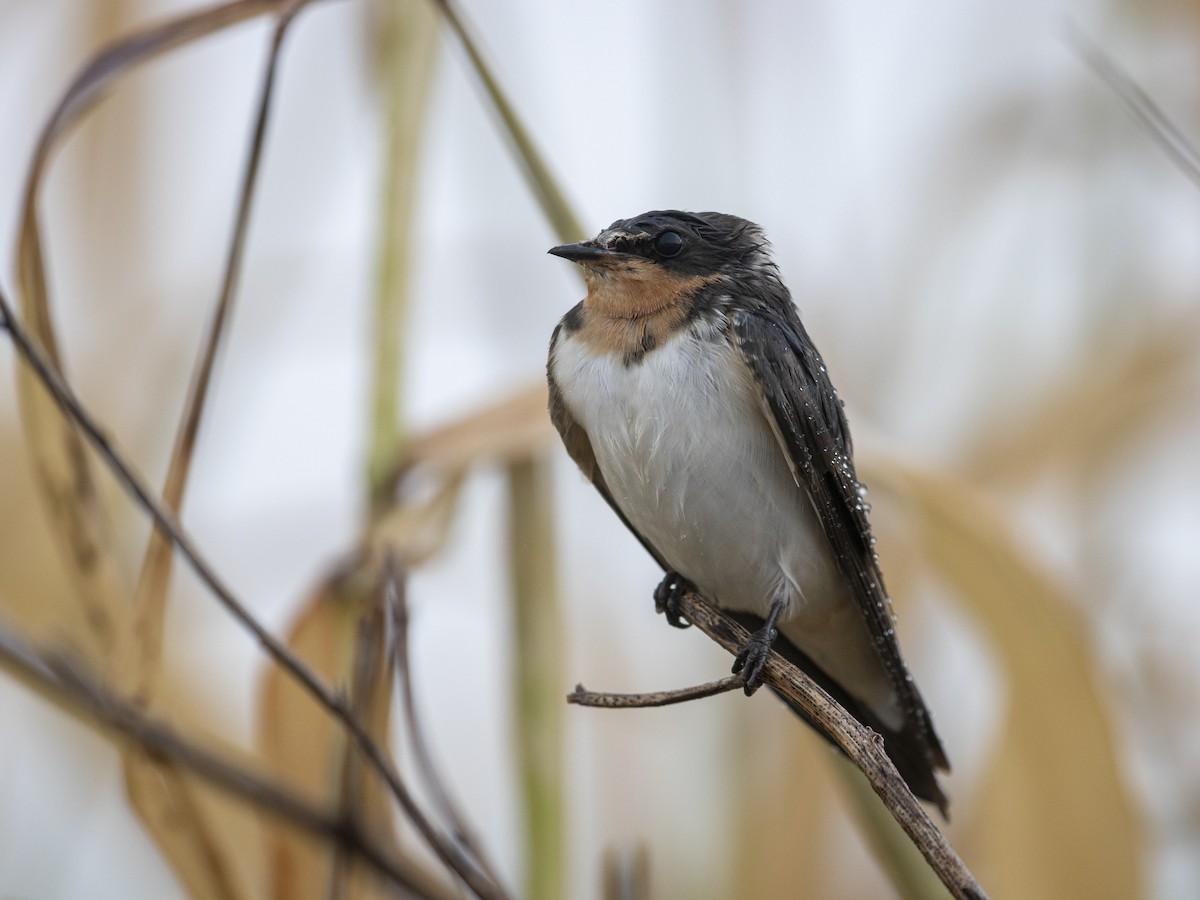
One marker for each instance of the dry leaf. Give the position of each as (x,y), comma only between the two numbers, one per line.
(171,806)
(1054,817)
(514,427)
(1091,416)
(170,803)
(786,799)
(306,748)
(434,467)
(60,460)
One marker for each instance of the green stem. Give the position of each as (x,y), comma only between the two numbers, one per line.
(539,675)
(910,874)
(546,189)
(407,50)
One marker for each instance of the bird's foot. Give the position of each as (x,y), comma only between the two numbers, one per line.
(666,597)
(752,658)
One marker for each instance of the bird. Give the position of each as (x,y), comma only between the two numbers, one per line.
(687,391)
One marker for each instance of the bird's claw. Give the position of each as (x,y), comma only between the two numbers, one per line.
(752,658)
(666,598)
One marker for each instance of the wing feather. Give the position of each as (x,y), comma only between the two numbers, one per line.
(807,419)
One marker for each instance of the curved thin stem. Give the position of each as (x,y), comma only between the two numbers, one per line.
(446,850)
(75,689)
(862,745)
(581,696)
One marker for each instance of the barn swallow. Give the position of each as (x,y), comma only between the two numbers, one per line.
(686,389)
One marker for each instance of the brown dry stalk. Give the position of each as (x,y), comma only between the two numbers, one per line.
(143,657)
(395,600)
(447,850)
(155,791)
(77,690)
(860,744)
(581,696)
(863,746)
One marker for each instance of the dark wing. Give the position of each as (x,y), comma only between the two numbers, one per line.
(579,447)
(806,415)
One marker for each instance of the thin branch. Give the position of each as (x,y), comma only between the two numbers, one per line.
(137,664)
(557,210)
(150,597)
(74,688)
(87,89)
(862,745)
(1161,129)
(64,472)
(164,519)
(396,605)
(583,697)
(369,658)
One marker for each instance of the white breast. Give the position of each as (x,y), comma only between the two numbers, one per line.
(691,461)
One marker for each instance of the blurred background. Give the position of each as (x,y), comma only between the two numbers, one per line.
(996,260)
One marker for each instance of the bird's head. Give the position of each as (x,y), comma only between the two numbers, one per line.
(669,244)
(668,261)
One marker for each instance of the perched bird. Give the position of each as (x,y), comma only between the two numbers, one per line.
(687,390)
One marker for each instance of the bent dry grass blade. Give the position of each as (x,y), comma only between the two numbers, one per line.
(198,846)
(164,797)
(1111,399)
(64,471)
(308,749)
(1055,761)
(60,680)
(546,189)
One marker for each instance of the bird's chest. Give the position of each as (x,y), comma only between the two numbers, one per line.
(681,442)
(680,408)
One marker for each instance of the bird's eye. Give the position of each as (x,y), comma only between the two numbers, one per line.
(668,244)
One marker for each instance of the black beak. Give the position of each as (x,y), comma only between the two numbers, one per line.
(582,252)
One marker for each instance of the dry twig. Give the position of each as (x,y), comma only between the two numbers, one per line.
(581,696)
(860,744)
(447,850)
(150,598)
(396,601)
(1161,129)
(74,688)
(863,746)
